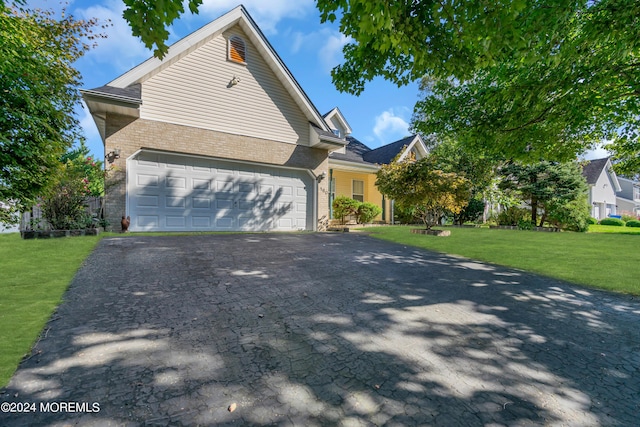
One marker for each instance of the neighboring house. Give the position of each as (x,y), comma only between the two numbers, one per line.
(603,187)
(352,170)
(216,136)
(628,199)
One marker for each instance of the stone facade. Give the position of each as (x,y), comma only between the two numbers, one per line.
(129,134)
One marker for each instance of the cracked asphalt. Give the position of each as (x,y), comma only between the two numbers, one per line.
(322,329)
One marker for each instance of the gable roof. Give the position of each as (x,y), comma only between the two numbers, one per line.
(385,154)
(358,153)
(340,118)
(125,84)
(594,168)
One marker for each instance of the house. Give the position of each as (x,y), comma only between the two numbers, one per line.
(216,136)
(220,136)
(352,169)
(603,187)
(628,199)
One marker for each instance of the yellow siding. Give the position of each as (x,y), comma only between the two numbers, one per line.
(344,180)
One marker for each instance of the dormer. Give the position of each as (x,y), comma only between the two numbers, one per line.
(337,123)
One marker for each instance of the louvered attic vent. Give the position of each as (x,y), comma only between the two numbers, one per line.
(237,50)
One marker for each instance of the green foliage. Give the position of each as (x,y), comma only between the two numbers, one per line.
(420,185)
(632,223)
(573,215)
(79,177)
(39,88)
(525,224)
(344,206)
(592,220)
(366,212)
(405,215)
(612,221)
(149,20)
(524,79)
(626,217)
(470,213)
(513,215)
(544,185)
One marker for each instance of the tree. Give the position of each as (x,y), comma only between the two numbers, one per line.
(421,185)
(344,206)
(451,156)
(64,204)
(39,88)
(544,185)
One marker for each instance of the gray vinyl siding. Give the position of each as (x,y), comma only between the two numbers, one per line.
(195,91)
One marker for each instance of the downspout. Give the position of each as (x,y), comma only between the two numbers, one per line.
(330,193)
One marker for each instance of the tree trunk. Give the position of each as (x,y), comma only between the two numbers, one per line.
(534,210)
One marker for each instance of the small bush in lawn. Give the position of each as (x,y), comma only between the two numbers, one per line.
(612,221)
(626,217)
(344,206)
(513,215)
(367,211)
(633,223)
(525,224)
(592,220)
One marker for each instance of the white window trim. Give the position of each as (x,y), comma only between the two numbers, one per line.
(352,189)
(229,58)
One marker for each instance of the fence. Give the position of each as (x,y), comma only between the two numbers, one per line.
(33,219)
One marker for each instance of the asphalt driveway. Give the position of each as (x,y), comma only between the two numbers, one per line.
(323,329)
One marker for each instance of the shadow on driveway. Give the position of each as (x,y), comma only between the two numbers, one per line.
(325,329)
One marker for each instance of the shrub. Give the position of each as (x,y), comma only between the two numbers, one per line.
(633,223)
(612,221)
(405,215)
(626,217)
(344,206)
(513,215)
(367,211)
(592,220)
(525,224)
(573,215)
(471,213)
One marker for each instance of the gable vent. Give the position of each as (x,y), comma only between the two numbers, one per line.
(237,50)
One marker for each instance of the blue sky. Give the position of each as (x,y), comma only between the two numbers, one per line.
(381,114)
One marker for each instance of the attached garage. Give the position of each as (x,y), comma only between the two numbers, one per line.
(172,192)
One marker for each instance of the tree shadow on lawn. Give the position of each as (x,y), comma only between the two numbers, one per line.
(321,329)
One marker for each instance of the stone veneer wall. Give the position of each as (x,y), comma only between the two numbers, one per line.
(129,135)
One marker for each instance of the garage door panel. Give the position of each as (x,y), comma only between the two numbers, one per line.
(176,221)
(201,203)
(201,221)
(175,202)
(180,192)
(200,184)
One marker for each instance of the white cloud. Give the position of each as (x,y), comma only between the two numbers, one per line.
(327,42)
(331,53)
(391,125)
(120,49)
(267,14)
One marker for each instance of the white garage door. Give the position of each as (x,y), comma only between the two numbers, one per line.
(167,192)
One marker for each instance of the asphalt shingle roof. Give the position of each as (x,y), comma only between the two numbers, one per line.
(133,91)
(358,152)
(592,170)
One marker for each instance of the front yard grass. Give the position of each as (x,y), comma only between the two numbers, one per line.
(604,261)
(35,275)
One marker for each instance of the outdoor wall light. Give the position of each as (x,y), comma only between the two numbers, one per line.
(234,81)
(322,176)
(112,155)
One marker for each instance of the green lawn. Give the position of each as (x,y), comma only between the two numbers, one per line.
(35,274)
(597,228)
(600,260)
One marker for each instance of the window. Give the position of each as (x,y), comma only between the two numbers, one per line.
(336,132)
(358,190)
(237,50)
